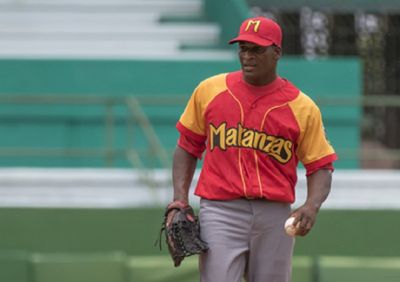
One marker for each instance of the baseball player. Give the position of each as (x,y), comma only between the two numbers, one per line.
(254,127)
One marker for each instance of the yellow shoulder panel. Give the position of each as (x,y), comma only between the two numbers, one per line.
(193,116)
(312,142)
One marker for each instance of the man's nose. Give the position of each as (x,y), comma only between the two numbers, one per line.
(248,54)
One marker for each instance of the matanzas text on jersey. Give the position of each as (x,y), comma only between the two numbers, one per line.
(276,147)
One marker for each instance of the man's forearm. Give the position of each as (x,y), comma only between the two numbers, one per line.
(318,187)
(184,165)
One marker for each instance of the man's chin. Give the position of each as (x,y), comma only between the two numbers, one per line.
(249,74)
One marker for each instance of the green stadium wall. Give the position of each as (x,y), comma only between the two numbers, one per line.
(103,245)
(82,126)
(234,13)
(363,233)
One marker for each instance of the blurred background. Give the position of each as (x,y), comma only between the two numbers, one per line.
(91,90)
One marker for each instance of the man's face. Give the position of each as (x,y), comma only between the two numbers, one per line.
(258,62)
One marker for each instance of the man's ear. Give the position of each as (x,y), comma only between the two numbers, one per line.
(278,52)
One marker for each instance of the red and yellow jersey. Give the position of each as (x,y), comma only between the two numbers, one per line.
(254,137)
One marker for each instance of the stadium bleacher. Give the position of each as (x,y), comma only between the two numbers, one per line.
(106,29)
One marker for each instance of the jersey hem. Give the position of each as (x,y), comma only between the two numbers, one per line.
(234,197)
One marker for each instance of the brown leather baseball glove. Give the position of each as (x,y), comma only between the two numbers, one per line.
(182,232)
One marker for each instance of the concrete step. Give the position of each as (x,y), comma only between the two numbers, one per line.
(186,33)
(170,7)
(106,49)
(85,49)
(37,18)
(105,29)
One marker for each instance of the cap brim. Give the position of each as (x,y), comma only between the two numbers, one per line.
(252,39)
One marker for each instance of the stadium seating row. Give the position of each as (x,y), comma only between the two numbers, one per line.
(105,29)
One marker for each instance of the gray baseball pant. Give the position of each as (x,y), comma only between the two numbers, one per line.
(246,238)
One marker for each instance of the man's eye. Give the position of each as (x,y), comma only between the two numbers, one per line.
(260,50)
(254,50)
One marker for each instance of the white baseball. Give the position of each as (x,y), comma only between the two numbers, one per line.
(289,227)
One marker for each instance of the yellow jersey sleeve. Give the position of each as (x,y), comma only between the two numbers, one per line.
(193,118)
(312,144)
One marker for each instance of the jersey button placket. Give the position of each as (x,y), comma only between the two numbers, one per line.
(247,172)
(247,158)
(250,174)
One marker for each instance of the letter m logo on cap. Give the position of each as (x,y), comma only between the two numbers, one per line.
(254,24)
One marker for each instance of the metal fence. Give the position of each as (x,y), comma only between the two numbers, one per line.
(372,33)
(372,153)
(135,117)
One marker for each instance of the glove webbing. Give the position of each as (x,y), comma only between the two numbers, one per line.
(189,244)
(175,205)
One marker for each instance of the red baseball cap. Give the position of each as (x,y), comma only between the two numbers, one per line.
(261,31)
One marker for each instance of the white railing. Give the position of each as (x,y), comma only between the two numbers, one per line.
(113,188)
